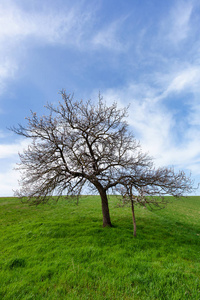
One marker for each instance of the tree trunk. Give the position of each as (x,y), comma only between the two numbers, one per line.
(105,208)
(134,221)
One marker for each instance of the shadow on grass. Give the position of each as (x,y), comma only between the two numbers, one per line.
(152,232)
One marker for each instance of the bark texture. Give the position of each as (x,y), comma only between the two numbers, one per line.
(105,210)
(133,216)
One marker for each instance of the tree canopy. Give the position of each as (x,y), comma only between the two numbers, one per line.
(80,142)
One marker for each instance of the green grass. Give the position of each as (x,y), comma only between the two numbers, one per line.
(61,251)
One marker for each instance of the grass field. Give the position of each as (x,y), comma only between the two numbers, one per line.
(61,251)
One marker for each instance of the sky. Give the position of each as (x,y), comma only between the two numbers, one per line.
(142,53)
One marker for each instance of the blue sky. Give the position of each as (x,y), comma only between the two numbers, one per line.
(146,53)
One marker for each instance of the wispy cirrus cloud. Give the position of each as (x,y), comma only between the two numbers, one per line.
(179,21)
(72,27)
(185,79)
(46,25)
(110,37)
(172,138)
(21,30)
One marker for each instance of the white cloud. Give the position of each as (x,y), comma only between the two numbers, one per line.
(178,22)
(10,150)
(110,37)
(186,79)
(179,82)
(73,26)
(47,25)
(194,117)
(154,125)
(8,68)
(184,84)
(21,29)
(8,182)
(8,159)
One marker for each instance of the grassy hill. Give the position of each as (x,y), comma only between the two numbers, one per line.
(61,251)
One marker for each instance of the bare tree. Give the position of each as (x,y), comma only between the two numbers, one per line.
(152,188)
(80,142)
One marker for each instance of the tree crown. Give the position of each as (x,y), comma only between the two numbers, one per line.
(79,142)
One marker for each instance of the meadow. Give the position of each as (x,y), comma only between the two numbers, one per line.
(61,251)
